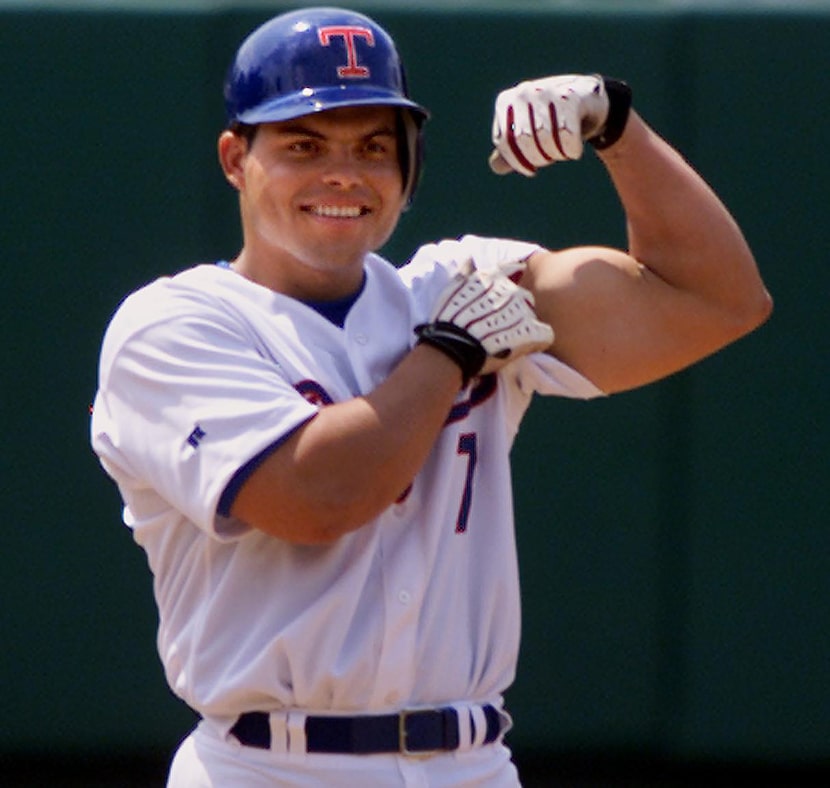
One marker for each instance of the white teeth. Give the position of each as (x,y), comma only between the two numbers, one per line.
(336,212)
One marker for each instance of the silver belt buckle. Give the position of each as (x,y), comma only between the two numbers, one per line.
(402,736)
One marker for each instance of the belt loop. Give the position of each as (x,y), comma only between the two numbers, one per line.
(296,732)
(465,729)
(278,723)
(479,722)
(506,722)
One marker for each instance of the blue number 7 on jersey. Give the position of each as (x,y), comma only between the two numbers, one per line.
(467,444)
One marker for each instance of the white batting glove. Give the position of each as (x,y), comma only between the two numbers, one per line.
(542,121)
(483,320)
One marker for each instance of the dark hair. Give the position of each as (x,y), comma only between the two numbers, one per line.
(245,130)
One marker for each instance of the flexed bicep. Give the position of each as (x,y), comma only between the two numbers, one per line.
(615,320)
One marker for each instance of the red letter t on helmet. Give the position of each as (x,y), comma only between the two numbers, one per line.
(349,33)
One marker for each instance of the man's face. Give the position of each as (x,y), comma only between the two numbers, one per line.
(322,190)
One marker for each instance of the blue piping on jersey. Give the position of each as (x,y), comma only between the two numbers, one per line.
(245,471)
(481,391)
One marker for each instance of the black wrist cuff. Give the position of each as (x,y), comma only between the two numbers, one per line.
(619,105)
(463,348)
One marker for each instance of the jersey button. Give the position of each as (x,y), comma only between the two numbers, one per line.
(361,339)
(404,596)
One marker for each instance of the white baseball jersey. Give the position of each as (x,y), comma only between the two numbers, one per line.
(202,373)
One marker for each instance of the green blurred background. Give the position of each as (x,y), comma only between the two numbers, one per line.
(674,541)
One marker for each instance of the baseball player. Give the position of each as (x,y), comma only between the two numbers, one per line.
(312,445)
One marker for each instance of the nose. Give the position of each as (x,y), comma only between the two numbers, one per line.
(344,171)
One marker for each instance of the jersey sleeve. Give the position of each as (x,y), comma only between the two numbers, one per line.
(541,373)
(183,404)
(433,265)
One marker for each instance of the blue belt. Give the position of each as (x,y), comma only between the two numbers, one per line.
(415,732)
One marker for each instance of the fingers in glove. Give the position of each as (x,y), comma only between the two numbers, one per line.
(554,132)
(505,323)
(538,343)
(502,303)
(498,164)
(513,330)
(463,296)
(536,134)
(521,340)
(495,311)
(539,122)
(505,141)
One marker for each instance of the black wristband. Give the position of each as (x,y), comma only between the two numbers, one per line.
(619,105)
(463,348)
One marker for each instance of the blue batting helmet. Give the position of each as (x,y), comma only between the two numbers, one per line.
(315,59)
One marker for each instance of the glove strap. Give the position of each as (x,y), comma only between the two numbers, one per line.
(619,105)
(455,343)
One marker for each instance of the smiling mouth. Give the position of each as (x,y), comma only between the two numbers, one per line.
(337,211)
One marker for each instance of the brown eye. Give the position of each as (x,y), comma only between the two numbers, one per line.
(304,146)
(380,148)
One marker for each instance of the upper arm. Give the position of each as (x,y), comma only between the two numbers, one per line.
(617,322)
(185,402)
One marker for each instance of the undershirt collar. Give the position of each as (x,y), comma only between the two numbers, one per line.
(337,311)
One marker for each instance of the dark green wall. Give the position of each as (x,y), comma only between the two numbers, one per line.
(674,541)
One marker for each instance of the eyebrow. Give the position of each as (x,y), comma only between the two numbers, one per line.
(302,130)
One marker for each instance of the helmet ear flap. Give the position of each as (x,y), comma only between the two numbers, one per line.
(410,151)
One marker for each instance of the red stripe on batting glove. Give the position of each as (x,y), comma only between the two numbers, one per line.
(511,141)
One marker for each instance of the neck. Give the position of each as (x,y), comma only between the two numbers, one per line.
(302,281)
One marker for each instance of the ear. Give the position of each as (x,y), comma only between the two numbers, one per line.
(232,149)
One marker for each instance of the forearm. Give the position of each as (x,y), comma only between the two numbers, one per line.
(355,458)
(688,284)
(678,228)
